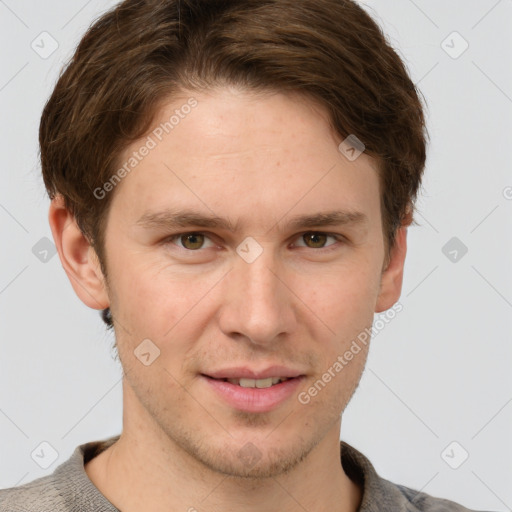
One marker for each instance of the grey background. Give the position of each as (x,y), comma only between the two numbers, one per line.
(438,373)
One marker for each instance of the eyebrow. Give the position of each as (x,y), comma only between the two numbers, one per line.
(171,219)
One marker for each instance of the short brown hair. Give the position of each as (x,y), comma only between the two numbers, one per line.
(140,53)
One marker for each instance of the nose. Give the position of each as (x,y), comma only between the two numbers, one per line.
(257,303)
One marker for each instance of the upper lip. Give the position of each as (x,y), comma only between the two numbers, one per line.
(243,372)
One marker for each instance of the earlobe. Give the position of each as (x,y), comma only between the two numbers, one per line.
(392,276)
(77,256)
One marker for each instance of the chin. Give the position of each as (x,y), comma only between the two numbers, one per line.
(251,462)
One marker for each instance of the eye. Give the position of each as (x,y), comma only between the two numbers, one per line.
(317,240)
(189,241)
(195,240)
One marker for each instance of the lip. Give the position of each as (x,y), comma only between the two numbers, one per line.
(256,400)
(243,372)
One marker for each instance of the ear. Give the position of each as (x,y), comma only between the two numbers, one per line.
(77,256)
(392,275)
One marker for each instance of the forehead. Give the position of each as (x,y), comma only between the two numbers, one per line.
(228,149)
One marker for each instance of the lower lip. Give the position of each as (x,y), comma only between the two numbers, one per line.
(254,399)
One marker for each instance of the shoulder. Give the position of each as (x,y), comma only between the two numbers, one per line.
(381,495)
(422,502)
(67,489)
(39,495)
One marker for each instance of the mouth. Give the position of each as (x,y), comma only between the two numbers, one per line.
(253,392)
(254,383)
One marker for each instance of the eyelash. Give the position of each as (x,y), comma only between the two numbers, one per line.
(338,238)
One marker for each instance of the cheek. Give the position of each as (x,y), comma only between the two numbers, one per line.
(343,299)
(343,304)
(328,393)
(169,308)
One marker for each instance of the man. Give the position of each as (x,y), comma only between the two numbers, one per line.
(231,184)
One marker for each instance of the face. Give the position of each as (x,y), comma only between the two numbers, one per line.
(279,282)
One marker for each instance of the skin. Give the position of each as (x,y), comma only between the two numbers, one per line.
(258,160)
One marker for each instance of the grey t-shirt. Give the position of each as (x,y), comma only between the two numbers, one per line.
(69,489)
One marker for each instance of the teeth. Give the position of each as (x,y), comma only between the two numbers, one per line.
(257,383)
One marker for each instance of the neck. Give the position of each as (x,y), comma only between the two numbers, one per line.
(145,469)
